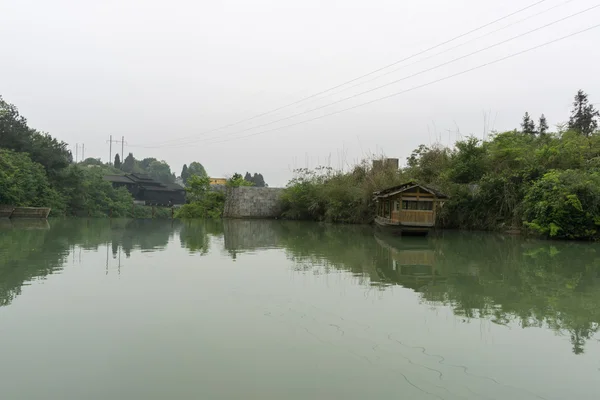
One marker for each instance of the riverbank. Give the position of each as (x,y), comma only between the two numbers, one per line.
(512,182)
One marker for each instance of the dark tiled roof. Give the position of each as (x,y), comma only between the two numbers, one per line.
(143,181)
(118,178)
(156,188)
(173,186)
(406,186)
(141,177)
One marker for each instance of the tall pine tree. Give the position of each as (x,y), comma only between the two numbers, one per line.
(584,115)
(128,163)
(117,163)
(528,126)
(543,125)
(185,174)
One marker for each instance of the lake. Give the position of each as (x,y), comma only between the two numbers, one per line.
(158,309)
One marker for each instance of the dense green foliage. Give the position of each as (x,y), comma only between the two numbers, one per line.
(195,168)
(327,195)
(23,181)
(202,202)
(545,182)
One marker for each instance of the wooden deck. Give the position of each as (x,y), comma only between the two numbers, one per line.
(6,211)
(30,212)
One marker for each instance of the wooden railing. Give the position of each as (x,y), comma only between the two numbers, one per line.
(417,217)
(387,221)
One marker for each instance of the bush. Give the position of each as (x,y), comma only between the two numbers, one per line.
(334,196)
(564,204)
(24,182)
(211,205)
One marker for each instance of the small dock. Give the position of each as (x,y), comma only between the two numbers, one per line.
(24,212)
(6,211)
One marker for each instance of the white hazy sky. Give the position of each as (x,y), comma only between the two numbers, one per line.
(157,71)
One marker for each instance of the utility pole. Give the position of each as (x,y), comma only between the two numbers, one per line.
(122,148)
(111,141)
(76,150)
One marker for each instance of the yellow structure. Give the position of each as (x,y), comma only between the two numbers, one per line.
(218,181)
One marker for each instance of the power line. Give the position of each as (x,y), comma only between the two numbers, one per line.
(350,81)
(111,141)
(453,48)
(416,87)
(397,80)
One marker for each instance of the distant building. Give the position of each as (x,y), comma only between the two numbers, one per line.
(218,181)
(147,190)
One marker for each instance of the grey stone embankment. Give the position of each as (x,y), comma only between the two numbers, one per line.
(253,202)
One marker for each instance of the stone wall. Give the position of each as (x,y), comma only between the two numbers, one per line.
(253,202)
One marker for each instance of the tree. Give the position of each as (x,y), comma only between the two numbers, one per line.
(467,161)
(564,204)
(197,169)
(23,182)
(528,126)
(198,187)
(583,115)
(145,163)
(117,163)
(159,170)
(14,132)
(238,180)
(256,179)
(203,202)
(184,174)
(128,164)
(91,161)
(259,180)
(543,125)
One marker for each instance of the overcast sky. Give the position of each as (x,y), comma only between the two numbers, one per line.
(157,71)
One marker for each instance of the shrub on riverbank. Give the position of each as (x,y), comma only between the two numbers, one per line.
(335,196)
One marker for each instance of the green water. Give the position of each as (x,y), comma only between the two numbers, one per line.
(122,309)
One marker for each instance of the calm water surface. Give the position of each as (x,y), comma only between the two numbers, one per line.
(122,309)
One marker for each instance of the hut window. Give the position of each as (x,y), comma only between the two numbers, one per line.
(397,206)
(425,205)
(417,205)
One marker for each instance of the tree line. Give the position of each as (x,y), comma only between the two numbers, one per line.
(37,169)
(546,183)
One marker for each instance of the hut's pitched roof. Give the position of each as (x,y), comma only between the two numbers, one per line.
(405,186)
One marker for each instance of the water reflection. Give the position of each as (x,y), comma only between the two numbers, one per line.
(507,280)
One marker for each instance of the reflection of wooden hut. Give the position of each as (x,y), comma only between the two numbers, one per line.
(408,208)
(412,264)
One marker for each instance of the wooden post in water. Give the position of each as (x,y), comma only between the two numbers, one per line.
(153,211)
(172,213)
